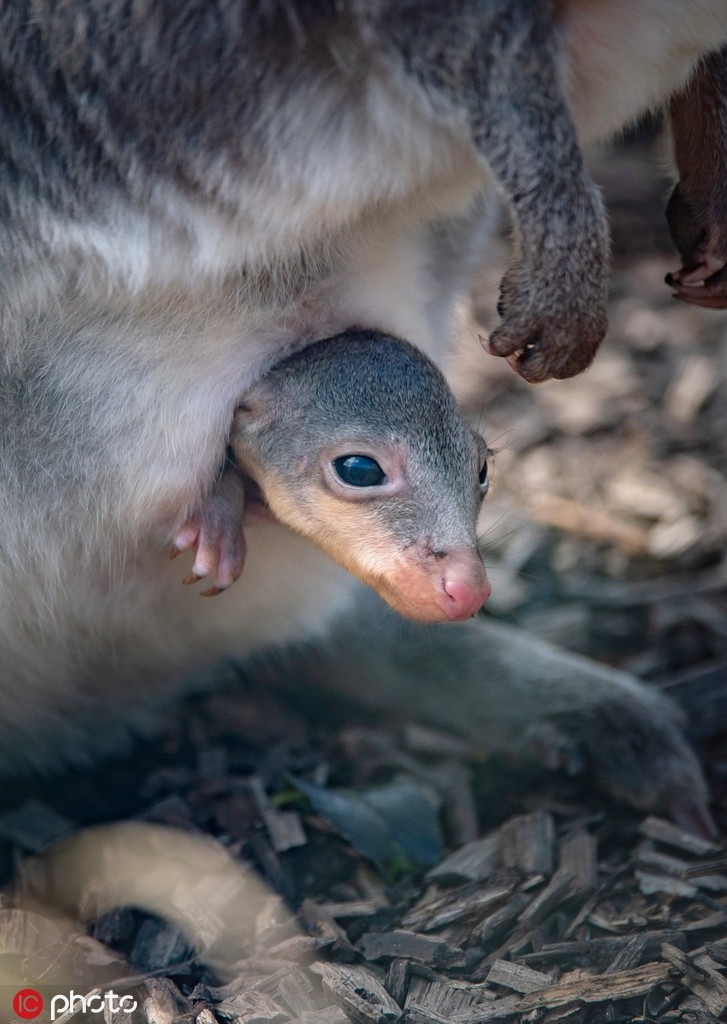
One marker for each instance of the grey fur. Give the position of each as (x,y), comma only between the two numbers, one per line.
(121,97)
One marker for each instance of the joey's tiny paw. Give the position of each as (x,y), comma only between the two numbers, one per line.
(215,534)
(219,552)
(543,335)
(633,749)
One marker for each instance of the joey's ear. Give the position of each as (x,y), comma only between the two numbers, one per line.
(258,406)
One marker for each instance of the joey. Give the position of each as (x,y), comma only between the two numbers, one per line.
(356,443)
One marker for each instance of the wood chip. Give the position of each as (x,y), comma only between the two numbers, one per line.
(665,832)
(469,902)
(651,883)
(704,980)
(435,1000)
(646,855)
(422,1015)
(411,946)
(320,924)
(330,1015)
(396,982)
(596,951)
(578,859)
(291,987)
(665,863)
(518,977)
(641,492)
(528,843)
(493,926)
(707,867)
(250,1007)
(284,828)
(358,992)
(717,951)
(564,1015)
(595,989)
(558,888)
(473,862)
(716,920)
(300,947)
(636,950)
(353,908)
(583,915)
(164,1003)
(460,807)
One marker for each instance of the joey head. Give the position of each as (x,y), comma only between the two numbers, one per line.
(356,443)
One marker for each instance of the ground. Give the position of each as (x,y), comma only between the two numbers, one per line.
(605,533)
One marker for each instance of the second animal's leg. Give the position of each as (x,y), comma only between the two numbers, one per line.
(697,209)
(497,65)
(506,692)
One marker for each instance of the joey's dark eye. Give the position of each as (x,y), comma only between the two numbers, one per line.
(359,471)
(484,479)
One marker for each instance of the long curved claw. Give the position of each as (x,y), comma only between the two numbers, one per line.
(701,285)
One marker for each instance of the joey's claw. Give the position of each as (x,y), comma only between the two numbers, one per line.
(220,556)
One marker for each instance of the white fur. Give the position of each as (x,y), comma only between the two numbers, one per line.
(627,56)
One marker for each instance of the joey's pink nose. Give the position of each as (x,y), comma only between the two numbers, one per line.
(461,600)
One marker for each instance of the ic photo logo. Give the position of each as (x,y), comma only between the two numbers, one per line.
(28,1004)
